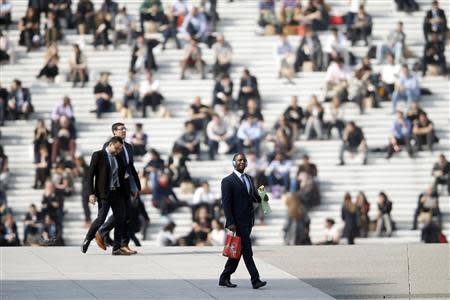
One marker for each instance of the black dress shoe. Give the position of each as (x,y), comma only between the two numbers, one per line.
(258,284)
(85,246)
(227,283)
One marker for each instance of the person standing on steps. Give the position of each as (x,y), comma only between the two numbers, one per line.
(238,198)
(108,191)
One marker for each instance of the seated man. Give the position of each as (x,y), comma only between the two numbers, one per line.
(248,89)
(435,21)
(336,46)
(284,58)
(400,135)
(309,49)
(131,91)
(407,88)
(266,13)
(423,132)
(219,134)
(199,114)
(434,54)
(440,172)
(19,101)
(307,168)
(189,141)
(395,44)
(192,59)
(353,141)
(278,172)
(428,203)
(150,94)
(389,75)
(123,28)
(362,26)
(62,10)
(223,93)
(195,25)
(139,140)
(250,135)
(103,95)
(142,54)
(294,116)
(203,197)
(223,54)
(337,80)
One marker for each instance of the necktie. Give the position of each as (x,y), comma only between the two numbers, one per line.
(114,173)
(245,182)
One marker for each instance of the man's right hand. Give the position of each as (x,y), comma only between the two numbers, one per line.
(232,227)
(92,199)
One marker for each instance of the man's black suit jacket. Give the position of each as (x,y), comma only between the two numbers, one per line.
(100,169)
(441,14)
(130,168)
(237,203)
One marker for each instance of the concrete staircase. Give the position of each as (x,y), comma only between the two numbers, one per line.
(402,178)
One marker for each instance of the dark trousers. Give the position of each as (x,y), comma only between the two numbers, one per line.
(247,253)
(86,208)
(117,204)
(405,141)
(111,222)
(431,60)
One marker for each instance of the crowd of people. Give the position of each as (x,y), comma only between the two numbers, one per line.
(233,120)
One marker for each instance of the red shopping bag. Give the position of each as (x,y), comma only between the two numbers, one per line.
(232,247)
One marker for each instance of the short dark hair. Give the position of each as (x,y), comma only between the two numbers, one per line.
(115,140)
(116,125)
(237,154)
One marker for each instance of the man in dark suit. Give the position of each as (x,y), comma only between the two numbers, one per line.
(435,22)
(238,197)
(132,187)
(248,90)
(108,191)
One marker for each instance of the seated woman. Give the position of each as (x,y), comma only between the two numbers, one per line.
(51,59)
(43,166)
(164,198)
(314,119)
(423,132)
(317,15)
(53,31)
(29,30)
(78,67)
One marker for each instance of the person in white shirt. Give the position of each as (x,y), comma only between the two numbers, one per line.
(353,6)
(123,24)
(180,8)
(389,75)
(334,117)
(337,79)
(223,53)
(166,237)
(284,57)
(250,134)
(331,233)
(203,197)
(218,133)
(149,91)
(278,172)
(336,46)
(131,90)
(217,235)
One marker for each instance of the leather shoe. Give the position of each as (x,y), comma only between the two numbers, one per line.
(120,252)
(258,284)
(227,283)
(85,246)
(132,252)
(99,240)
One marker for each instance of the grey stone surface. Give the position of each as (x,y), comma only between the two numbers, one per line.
(155,273)
(415,271)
